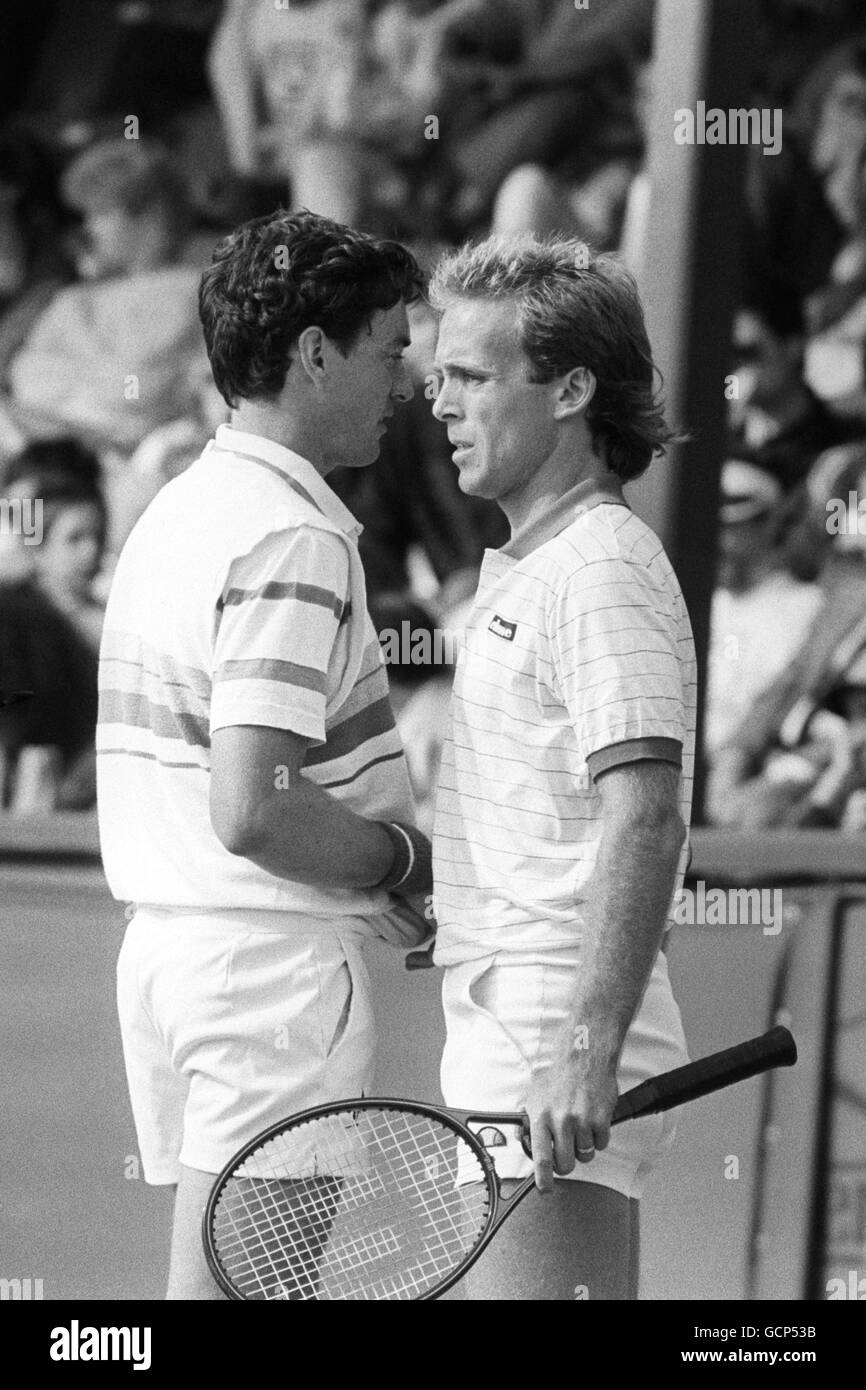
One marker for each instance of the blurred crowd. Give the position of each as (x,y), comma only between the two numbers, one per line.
(144,131)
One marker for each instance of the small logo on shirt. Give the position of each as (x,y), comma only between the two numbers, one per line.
(501,628)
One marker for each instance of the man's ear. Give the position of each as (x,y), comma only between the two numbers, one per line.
(311,352)
(574,393)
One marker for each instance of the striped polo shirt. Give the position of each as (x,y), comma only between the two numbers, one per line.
(577,657)
(239,598)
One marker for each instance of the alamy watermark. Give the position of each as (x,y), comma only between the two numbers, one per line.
(77,1343)
(22,516)
(737,126)
(854,1287)
(421,646)
(847,517)
(21,1290)
(729,907)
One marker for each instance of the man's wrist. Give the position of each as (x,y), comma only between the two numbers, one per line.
(411,869)
(596,1035)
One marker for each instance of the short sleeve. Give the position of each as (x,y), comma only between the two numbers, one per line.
(277,623)
(614,644)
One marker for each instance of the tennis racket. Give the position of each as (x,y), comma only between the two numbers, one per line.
(391,1199)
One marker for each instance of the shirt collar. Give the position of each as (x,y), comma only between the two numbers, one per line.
(592,492)
(299,472)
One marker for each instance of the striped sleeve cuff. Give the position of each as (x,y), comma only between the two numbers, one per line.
(633,750)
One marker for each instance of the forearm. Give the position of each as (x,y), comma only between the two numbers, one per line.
(304,834)
(233,86)
(627,906)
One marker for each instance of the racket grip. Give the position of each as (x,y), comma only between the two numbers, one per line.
(773,1049)
(14,697)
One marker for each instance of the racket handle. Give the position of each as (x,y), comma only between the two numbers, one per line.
(14,697)
(773,1049)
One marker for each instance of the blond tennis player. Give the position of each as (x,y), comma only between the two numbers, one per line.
(560,829)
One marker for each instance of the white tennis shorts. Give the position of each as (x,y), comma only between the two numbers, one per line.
(503,1014)
(226,1031)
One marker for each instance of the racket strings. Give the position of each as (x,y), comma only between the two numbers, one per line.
(371,1204)
(298,1266)
(294,1253)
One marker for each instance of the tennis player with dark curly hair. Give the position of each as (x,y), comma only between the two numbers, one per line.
(565,785)
(253,795)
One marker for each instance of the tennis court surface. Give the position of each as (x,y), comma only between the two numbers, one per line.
(76,1212)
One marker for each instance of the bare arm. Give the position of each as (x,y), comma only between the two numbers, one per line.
(264,810)
(233,83)
(628,900)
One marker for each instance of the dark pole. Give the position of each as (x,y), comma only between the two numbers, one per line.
(691,285)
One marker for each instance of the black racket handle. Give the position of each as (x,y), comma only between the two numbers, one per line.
(773,1049)
(14,697)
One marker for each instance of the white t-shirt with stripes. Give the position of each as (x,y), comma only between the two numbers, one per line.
(239,598)
(578,656)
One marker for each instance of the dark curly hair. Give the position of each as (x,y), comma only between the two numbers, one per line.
(574,309)
(277,275)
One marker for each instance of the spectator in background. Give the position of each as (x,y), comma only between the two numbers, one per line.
(426,58)
(282,80)
(106,359)
(31,219)
(610,208)
(797,756)
(34,260)
(838,144)
(44,464)
(836,356)
(571,73)
(50,626)
(334,97)
(774,416)
(760,612)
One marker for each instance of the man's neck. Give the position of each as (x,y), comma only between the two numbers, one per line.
(258,417)
(561,472)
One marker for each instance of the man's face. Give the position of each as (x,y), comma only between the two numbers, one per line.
(767,367)
(501,424)
(71,551)
(363,389)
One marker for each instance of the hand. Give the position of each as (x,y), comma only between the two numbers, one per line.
(402,925)
(570,1108)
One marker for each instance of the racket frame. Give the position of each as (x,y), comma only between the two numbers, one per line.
(499,1206)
